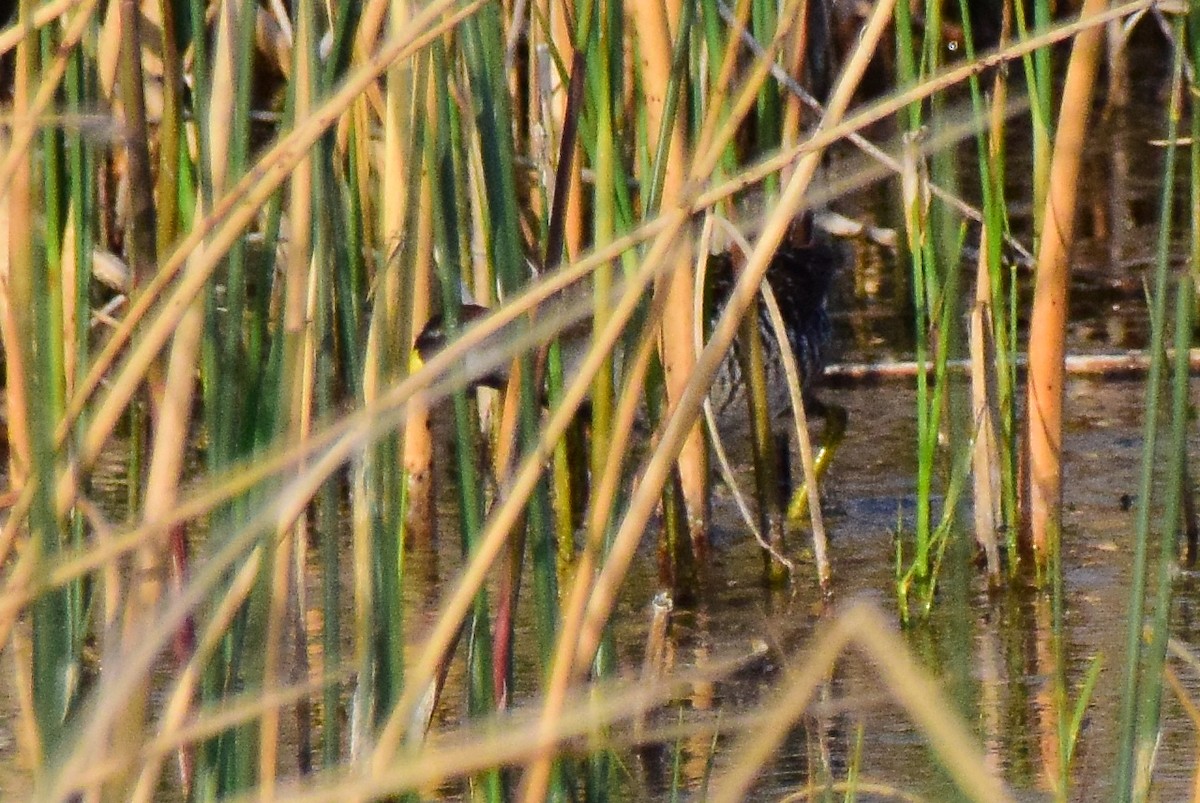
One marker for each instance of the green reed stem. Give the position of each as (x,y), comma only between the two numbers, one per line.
(769,122)
(914,219)
(80,164)
(388,475)
(448,217)
(679,64)
(33,292)
(603,55)
(227,401)
(1174,488)
(332,219)
(215,772)
(766,459)
(1038,76)
(443,154)
(1142,686)
(1193,39)
(605,226)
(716,44)
(482,47)
(906,65)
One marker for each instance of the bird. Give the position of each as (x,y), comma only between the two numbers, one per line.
(800,277)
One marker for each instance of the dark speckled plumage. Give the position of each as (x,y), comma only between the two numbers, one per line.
(800,278)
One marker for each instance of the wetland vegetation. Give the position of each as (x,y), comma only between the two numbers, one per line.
(371,432)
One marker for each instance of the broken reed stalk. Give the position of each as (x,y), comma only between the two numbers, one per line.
(991,377)
(1047,329)
(985,457)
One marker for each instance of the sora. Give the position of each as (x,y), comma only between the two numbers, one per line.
(799,276)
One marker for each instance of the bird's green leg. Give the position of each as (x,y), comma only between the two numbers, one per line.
(831,438)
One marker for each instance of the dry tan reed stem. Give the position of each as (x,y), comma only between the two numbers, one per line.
(25,726)
(16,294)
(716,98)
(396,143)
(794,67)
(166,469)
(560,14)
(804,442)
(653,23)
(1047,328)
(420,521)
(985,461)
(43,15)
(16,304)
(71,311)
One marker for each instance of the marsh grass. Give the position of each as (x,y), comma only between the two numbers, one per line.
(244,620)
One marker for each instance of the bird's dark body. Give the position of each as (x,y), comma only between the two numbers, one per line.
(800,279)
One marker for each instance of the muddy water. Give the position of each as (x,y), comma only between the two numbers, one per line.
(991,652)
